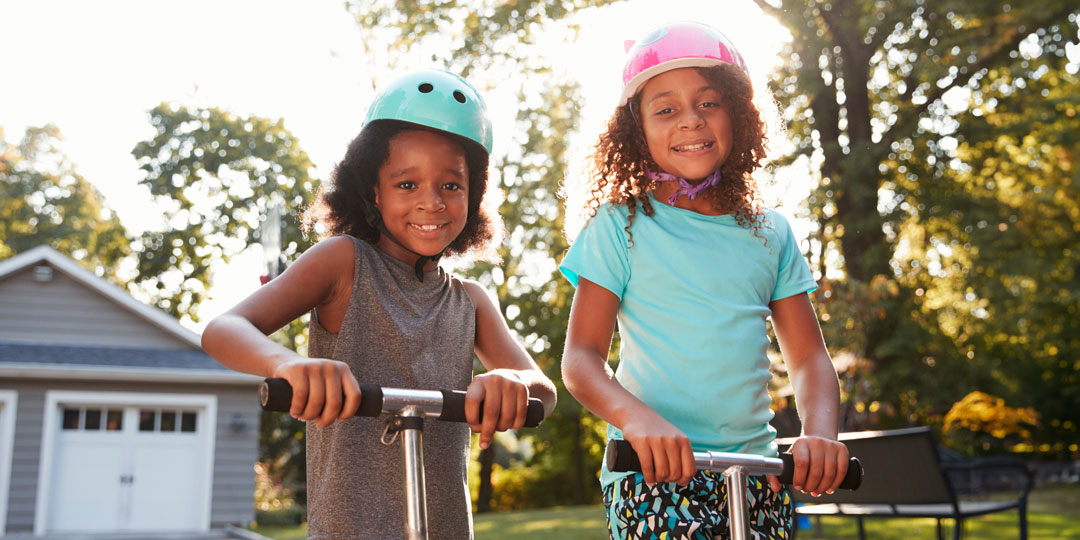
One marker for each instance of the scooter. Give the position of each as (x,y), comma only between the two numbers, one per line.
(407,409)
(621,457)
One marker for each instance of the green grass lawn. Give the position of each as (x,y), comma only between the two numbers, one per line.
(1053,514)
(283,533)
(564,523)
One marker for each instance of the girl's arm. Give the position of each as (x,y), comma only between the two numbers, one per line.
(820,460)
(663,449)
(512,376)
(321,277)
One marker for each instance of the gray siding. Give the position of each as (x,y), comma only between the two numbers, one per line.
(233,488)
(234,458)
(25,456)
(63,311)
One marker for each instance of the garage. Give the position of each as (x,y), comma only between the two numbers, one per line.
(113,421)
(126,462)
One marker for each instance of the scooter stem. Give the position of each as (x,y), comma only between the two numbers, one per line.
(413,453)
(735,478)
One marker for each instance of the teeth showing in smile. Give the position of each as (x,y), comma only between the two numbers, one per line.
(426,228)
(692,147)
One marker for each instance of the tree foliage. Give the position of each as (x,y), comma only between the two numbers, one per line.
(46,202)
(217,175)
(980,422)
(1003,243)
(466,35)
(944,137)
(536,299)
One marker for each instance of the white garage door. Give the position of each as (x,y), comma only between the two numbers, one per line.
(130,463)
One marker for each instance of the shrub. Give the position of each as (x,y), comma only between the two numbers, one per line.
(982,424)
(290,516)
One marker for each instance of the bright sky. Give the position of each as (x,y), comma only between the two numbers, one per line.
(95,68)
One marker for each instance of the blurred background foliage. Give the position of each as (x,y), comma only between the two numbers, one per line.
(45,201)
(981,423)
(941,138)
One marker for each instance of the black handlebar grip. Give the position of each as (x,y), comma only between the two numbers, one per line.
(453,409)
(453,406)
(275,395)
(370,400)
(621,457)
(852,480)
(534,412)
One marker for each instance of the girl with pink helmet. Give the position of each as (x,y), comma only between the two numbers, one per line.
(680,254)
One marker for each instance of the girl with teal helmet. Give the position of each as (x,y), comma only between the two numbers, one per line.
(432,100)
(383,312)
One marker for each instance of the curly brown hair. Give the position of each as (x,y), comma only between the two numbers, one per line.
(620,158)
(346,203)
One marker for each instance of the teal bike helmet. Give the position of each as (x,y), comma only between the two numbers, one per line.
(435,99)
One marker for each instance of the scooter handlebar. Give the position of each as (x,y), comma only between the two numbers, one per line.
(621,457)
(275,394)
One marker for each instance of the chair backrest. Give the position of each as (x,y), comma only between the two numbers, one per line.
(899,467)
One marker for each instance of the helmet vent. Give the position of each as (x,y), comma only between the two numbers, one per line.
(459,96)
(424,88)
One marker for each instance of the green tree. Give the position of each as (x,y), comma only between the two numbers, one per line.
(908,111)
(45,201)
(218,175)
(1002,243)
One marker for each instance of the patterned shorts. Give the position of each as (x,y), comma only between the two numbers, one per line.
(668,511)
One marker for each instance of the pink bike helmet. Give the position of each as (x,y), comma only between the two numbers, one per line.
(674,46)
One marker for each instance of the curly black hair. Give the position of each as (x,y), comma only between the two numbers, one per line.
(346,203)
(621,156)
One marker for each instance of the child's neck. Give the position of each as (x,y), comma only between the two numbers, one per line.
(663,191)
(391,248)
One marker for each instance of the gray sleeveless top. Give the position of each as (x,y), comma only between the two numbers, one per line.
(402,333)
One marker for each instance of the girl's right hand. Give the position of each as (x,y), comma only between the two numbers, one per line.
(663,450)
(323,390)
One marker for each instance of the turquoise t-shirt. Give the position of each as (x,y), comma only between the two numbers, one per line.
(694,294)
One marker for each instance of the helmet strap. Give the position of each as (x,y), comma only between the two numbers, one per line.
(685,187)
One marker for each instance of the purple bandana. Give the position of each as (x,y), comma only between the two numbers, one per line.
(685,188)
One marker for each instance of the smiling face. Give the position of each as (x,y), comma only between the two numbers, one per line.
(685,123)
(422,194)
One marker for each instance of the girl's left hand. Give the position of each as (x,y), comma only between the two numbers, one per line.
(505,398)
(820,465)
